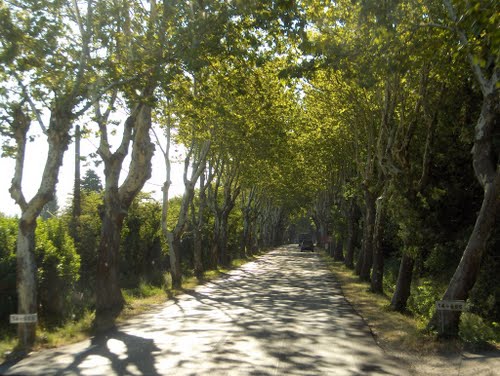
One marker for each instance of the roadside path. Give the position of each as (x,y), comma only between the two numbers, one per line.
(283,314)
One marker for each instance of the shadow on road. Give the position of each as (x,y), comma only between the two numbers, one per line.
(281,315)
(289,312)
(126,354)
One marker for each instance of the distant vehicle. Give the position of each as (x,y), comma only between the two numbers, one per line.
(303,237)
(307,245)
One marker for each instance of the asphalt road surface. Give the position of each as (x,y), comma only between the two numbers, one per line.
(283,314)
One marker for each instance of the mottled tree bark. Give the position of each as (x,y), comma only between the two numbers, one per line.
(196,159)
(109,298)
(26,280)
(58,140)
(117,200)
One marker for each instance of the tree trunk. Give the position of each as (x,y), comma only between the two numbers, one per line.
(245,241)
(174,245)
(332,245)
(174,237)
(248,211)
(367,261)
(26,280)
(77,200)
(230,197)
(198,254)
(321,233)
(468,269)
(117,200)
(198,232)
(214,250)
(224,258)
(109,298)
(359,261)
(377,277)
(352,234)
(58,140)
(403,285)
(338,250)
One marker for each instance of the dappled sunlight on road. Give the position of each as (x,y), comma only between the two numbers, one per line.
(281,315)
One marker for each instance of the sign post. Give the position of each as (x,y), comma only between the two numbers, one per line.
(449,305)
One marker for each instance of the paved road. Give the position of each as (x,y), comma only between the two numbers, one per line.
(280,315)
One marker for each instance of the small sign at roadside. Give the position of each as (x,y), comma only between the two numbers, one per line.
(24,319)
(450,305)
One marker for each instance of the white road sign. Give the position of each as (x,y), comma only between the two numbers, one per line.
(23,319)
(450,305)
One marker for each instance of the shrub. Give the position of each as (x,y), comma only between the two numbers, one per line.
(89,231)
(472,329)
(423,300)
(141,254)
(8,297)
(391,269)
(58,270)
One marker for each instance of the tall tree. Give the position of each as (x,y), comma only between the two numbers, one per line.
(50,77)
(91,182)
(196,160)
(139,79)
(475,24)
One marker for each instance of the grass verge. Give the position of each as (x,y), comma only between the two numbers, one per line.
(137,300)
(393,331)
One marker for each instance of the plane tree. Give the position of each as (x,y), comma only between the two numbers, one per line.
(45,79)
(474,25)
(133,39)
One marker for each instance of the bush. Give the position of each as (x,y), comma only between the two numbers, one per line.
(391,269)
(423,299)
(58,270)
(8,296)
(141,254)
(472,329)
(88,235)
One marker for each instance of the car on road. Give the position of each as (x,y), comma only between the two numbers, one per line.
(307,245)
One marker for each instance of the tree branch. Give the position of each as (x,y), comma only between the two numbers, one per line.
(30,102)
(20,129)
(85,53)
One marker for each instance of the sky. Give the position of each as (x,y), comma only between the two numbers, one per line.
(36,155)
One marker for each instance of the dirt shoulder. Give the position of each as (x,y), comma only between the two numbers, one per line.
(399,336)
